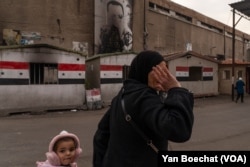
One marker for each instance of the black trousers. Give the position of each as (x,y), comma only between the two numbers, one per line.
(241,96)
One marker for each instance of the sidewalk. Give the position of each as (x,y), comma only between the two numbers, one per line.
(203,102)
(220,124)
(213,100)
(200,102)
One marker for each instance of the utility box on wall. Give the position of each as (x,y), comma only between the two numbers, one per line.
(40,77)
(107,72)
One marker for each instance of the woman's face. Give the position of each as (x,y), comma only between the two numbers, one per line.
(152,81)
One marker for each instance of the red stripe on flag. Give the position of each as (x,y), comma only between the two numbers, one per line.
(207,69)
(13,65)
(71,67)
(111,68)
(182,68)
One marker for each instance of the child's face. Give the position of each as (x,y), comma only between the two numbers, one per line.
(66,151)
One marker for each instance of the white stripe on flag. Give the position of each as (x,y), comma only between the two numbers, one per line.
(111,74)
(71,74)
(14,73)
(207,74)
(182,74)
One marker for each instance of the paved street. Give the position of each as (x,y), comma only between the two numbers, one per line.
(220,124)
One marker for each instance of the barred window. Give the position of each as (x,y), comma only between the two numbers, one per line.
(41,73)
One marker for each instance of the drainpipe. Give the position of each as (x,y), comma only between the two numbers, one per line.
(145,33)
(233,55)
(233,50)
(243,49)
(224,41)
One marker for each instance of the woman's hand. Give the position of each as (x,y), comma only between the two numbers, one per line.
(161,79)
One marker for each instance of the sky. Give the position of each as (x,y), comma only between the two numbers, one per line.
(219,10)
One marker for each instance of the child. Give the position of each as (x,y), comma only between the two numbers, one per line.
(64,149)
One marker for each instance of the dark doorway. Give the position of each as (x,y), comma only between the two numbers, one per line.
(248,80)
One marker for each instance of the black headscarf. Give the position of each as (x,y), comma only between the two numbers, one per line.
(142,64)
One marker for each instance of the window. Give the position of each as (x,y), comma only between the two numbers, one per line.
(240,74)
(151,5)
(41,73)
(248,54)
(226,75)
(158,7)
(183,17)
(195,73)
(211,27)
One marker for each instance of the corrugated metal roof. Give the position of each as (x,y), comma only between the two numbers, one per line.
(242,6)
(176,55)
(237,62)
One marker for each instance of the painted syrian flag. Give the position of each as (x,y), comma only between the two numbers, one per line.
(111,74)
(182,73)
(71,73)
(14,73)
(207,73)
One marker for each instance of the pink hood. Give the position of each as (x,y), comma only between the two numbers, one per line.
(52,158)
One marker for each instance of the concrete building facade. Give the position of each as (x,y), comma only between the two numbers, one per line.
(40,77)
(169,27)
(63,23)
(123,27)
(151,24)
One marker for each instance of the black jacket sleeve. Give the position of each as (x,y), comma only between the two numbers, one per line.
(101,139)
(171,119)
(180,115)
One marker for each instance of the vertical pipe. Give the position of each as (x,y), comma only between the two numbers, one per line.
(224,41)
(233,55)
(144,28)
(243,49)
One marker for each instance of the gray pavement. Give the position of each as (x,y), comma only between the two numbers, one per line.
(220,124)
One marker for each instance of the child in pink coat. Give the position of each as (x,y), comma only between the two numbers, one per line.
(64,149)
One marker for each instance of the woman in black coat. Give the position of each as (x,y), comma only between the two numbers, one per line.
(117,143)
